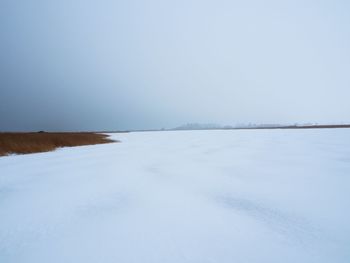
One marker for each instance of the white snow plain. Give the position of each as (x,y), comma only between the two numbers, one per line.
(185,196)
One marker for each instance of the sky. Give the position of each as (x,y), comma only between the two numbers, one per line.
(133,64)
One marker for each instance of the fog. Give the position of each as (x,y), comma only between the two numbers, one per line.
(116,65)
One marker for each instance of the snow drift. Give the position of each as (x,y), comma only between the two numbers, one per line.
(186,196)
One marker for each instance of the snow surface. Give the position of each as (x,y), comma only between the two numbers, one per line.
(185,196)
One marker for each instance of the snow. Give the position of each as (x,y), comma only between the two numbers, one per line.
(181,196)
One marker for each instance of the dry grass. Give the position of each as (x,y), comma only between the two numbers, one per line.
(22,143)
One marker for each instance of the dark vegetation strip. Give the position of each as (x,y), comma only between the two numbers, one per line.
(296,127)
(32,142)
(331,126)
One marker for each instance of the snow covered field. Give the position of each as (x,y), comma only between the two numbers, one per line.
(200,196)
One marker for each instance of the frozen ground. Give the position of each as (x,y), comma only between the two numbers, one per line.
(201,196)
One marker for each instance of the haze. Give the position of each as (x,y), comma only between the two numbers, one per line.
(109,65)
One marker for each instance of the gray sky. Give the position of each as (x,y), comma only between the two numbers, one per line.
(137,64)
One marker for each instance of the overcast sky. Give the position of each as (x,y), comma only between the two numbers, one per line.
(139,64)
